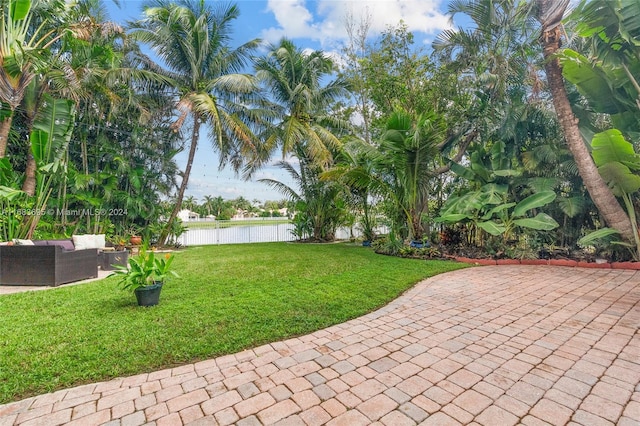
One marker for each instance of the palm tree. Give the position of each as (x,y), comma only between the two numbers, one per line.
(294,79)
(409,149)
(354,168)
(549,13)
(400,169)
(193,40)
(317,202)
(27,33)
(190,203)
(207,204)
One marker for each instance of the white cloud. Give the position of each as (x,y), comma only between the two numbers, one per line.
(326,23)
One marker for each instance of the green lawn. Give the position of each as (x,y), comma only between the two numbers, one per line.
(228,298)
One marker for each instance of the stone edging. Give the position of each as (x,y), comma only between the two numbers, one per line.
(553,262)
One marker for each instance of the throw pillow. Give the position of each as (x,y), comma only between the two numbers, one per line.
(100,241)
(19,242)
(82,242)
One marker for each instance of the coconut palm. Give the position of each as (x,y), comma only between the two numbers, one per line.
(294,78)
(550,13)
(193,40)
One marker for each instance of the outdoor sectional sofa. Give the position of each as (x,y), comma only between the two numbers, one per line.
(46,265)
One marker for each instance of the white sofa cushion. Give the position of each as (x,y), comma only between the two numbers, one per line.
(89,241)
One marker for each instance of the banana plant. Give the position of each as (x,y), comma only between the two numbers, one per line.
(50,136)
(619,166)
(13,208)
(489,211)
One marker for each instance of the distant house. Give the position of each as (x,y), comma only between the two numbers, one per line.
(187,215)
(244,214)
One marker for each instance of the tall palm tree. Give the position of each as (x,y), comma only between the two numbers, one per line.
(193,40)
(207,204)
(295,79)
(549,13)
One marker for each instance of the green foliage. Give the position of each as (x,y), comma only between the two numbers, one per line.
(402,168)
(301,101)
(14,206)
(391,245)
(144,269)
(319,205)
(606,74)
(19,9)
(617,162)
(487,209)
(398,74)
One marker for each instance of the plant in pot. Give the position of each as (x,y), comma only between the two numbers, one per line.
(134,235)
(145,275)
(119,242)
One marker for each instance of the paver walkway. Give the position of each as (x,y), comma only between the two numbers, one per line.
(499,345)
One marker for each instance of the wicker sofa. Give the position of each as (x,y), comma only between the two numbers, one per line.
(46,265)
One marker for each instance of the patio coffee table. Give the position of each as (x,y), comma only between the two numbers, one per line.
(110,258)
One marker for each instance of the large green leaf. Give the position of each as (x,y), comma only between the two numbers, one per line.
(498,209)
(462,171)
(7,175)
(55,118)
(536,200)
(630,19)
(452,218)
(619,178)
(9,193)
(611,146)
(19,9)
(507,173)
(541,222)
(601,235)
(39,145)
(591,81)
(494,193)
(492,227)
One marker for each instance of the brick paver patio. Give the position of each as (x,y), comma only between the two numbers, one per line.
(498,345)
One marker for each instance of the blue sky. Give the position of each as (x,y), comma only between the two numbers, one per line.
(310,24)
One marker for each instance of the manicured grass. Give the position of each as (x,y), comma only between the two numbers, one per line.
(228,298)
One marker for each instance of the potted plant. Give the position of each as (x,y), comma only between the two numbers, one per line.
(134,235)
(118,241)
(145,275)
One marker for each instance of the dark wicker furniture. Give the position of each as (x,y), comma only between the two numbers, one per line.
(110,258)
(46,265)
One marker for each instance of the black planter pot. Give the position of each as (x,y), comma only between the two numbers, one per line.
(148,295)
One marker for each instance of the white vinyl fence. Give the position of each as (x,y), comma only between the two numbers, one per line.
(234,232)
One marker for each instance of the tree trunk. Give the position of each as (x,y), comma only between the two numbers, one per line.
(185,181)
(29,184)
(5,127)
(606,203)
